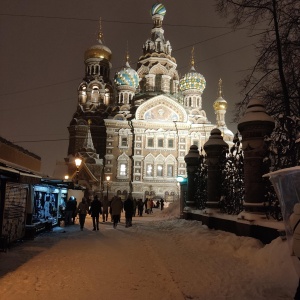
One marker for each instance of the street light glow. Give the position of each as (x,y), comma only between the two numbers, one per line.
(180,179)
(78,162)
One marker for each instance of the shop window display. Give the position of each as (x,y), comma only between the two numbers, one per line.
(45,207)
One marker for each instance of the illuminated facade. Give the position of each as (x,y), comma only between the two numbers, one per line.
(138,129)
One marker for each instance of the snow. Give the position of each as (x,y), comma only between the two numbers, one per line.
(159,257)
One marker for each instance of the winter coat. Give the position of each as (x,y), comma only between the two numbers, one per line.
(105,205)
(128,207)
(116,206)
(71,205)
(140,204)
(148,204)
(83,208)
(95,209)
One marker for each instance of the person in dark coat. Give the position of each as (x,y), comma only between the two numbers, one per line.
(82,209)
(134,207)
(129,208)
(95,211)
(140,205)
(116,209)
(74,214)
(69,211)
(105,207)
(162,203)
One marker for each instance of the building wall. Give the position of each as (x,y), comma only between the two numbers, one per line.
(19,156)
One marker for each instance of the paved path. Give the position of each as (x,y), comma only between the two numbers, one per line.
(159,260)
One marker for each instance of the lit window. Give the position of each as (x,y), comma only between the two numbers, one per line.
(124,142)
(170,143)
(150,142)
(149,170)
(159,171)
(170,171)
(123,169)
(160,143)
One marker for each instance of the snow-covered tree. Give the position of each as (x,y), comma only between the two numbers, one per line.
(275,78)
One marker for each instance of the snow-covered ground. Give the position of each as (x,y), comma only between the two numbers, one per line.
(160,257)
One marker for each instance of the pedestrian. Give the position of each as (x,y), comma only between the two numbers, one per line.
(82,209)
(116,209)
(69,211)
(95,211)
(161,203)
(151,206)
(148,205)
(140,205)
(105,207)
(128,207)
(134,207)
(111,219)
(74,214)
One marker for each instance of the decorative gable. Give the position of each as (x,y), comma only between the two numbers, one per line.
(161,108)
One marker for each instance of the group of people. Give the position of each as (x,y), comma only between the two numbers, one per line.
(114,207)
(149,204)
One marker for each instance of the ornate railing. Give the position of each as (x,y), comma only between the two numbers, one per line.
(201,182)
(232,183)
(232,187)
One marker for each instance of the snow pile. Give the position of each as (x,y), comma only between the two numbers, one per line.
(170,211)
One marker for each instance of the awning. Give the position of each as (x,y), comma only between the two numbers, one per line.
(10,173)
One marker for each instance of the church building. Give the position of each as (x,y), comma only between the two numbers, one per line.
(133,132)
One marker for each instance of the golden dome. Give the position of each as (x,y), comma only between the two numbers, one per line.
(98,51)
(220,104)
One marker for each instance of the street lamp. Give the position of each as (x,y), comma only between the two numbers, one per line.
(78,162)
(107,184)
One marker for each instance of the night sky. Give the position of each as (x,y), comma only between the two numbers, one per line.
(42,59)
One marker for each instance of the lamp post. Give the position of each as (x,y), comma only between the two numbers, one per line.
(182,181)
(78,162)
(107,184)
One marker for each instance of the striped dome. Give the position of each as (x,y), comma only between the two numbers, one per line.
(158,9)
(192,81)
(127,76)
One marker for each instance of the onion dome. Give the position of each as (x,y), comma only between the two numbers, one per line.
(127,76)
(192,80)
(158,9)
(100,50)
(220,103)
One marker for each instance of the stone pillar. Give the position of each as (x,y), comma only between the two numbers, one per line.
(254,126)
(214,148)
(182,195)
(192,163)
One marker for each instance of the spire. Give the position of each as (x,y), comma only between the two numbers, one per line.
(100,34)
(193,58)
(127,65)
(88,143)
(127,56)
(220,88)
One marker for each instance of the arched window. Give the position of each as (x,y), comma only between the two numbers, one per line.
(123,166)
